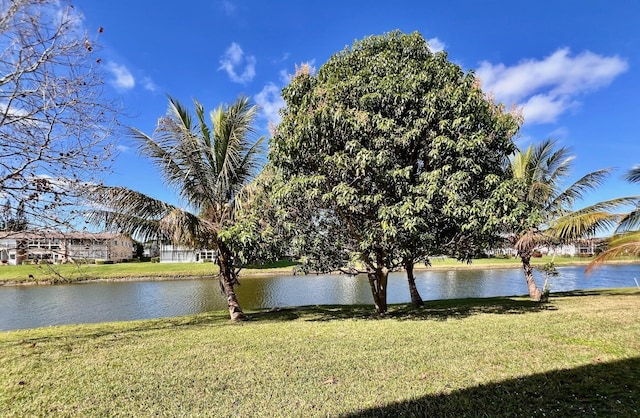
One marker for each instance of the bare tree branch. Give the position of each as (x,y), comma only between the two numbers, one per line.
(55,122)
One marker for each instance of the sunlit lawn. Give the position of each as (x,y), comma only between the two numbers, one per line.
(578,356)
(69,272)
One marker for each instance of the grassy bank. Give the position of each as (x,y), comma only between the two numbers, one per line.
(71,273)
(578,356)
(46,273)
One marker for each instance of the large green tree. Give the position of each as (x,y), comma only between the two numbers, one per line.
(399,151)
(208,166)
(545,213)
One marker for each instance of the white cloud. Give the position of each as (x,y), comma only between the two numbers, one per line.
(12,112)
(149,84)
(436,45)
(285,77)
(123,78)
(270,102)
(545,108)
(123,148)
(547,88)
(228,7)
(232,59)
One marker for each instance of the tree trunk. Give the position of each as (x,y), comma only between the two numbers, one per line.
(228,279)
(378,284)
(416,299)
(534,292)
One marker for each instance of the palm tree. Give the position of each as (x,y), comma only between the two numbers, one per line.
(545,212)
(626,238)
(208,167)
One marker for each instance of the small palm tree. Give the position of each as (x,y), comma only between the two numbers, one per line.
(208,167)
(626,238)
(546,207)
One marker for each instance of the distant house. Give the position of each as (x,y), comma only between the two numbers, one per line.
(182,254)
(580,248)
(63,247)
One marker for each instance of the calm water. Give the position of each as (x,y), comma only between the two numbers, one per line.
(36,306)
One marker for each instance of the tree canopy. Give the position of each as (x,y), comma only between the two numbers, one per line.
(55,121)
(398,149)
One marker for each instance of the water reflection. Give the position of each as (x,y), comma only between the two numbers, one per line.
(36,306)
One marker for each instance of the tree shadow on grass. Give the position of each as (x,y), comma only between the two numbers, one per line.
(436,310)
(629,291)
(599,389)
(115,330)
(440,310)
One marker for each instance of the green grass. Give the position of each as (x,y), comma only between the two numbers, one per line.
(71,273)
(515,262)
(578,356)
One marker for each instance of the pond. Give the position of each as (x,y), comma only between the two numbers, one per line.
(23,307)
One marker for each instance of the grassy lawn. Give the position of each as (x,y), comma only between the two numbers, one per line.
(70,273)
(577,356)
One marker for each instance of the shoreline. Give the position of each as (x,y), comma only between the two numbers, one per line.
(257,274)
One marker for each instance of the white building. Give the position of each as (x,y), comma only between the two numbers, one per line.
(62,247)
(183,254)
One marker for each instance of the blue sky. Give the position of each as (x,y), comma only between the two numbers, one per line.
(572,66)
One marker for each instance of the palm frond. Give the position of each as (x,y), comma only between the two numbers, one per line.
(619,245)
(591,181)
(633,175)
(520,163)
(249,165)
(124,200)
(578,225)
(541,168)
(630,222)
(161,150)
(185,228)
(587,221)
(234,154)
(178,112)
(126,210)
(188,170)
(141,228)
(557,164)
(528,240)
(205,132)
(197,182)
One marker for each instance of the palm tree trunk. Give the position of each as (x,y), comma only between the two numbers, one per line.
(534,291)
(416,299)
(228,280)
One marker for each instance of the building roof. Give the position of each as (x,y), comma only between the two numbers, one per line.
(52,234)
